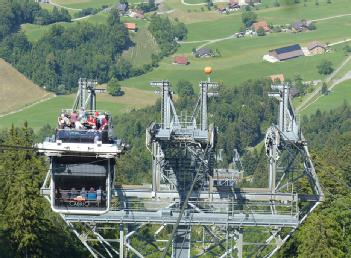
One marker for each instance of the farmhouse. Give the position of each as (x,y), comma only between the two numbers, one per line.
(222,10)
(301,25)
(233,5)
(204,52)
(137,14)
(122,8)
(261,24)
(180,60)
(131,26)
(286,53)
(316,48)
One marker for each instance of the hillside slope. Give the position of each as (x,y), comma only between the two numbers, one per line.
(16,91)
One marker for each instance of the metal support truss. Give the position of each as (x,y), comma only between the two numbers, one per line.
(86,95)
(183,198)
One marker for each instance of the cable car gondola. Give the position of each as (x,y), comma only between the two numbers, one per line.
(82,156)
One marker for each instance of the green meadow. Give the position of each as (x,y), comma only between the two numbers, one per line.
(81,4)
(48,111)
(339,95)
(241,59)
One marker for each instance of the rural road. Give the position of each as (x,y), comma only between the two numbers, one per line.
(339,42)
(335,83)
(307,102)
(61,6)
(332,17)
(184,3)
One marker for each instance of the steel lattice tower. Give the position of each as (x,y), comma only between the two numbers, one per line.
(188,194)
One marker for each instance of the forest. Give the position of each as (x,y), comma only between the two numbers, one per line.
(64,54)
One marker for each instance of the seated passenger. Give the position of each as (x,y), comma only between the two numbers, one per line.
(64,194)
(91,196)
(78,125)
(74,193)
(91,122)
(83,193)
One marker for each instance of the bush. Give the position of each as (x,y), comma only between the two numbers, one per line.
(114,88)
(312,26)
(248,18)
(326,67)
(261,32)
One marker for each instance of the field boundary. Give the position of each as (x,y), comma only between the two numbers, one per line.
(47,97)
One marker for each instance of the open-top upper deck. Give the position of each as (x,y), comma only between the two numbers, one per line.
(83,132)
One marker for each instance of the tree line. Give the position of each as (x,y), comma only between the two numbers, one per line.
(27,228)
(66,53)
(16,12)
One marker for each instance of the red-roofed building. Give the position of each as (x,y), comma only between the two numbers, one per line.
(277,77)
(261,24)
(181,60)
(130,26)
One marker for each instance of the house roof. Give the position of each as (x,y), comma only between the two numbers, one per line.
(298,25)
(287,49)
(288,52)
(275,77)
(181,60)
(130,25)
(203,51)
(122,7)
(261,24)
(312,45)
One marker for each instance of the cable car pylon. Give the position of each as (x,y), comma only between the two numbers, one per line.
(188,193)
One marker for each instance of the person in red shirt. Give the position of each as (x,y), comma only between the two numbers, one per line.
(91,122)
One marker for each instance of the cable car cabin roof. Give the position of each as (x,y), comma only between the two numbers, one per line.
(80,166)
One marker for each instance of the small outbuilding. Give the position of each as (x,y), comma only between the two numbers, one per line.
(277,78)
(261,24)
(131,26)
(181,60)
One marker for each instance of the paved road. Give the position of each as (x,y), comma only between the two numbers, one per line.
(332,17)
(308,101)
(339,42)
(335,83)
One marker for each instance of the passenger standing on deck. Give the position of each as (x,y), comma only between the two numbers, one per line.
(104,122)
(61,121)
(74,118)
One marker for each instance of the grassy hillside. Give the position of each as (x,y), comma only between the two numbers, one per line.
(338,96)
(16,91)
(47,112)
(241,59)
(145,46)
(81,4)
